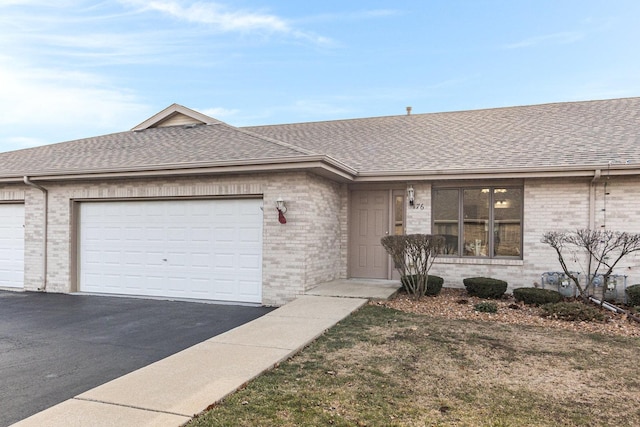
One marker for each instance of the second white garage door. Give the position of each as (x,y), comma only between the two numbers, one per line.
(200,249)
(11,245)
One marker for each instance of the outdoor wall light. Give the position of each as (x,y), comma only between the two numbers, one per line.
(282,208)
(410,195)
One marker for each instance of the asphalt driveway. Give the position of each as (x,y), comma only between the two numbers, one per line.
(55,346)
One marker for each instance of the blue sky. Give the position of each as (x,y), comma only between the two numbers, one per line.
(71,68)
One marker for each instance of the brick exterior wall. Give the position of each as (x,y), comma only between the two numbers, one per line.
(551,205)
(325,231)
(622,204)
(309,248)
(419,216)
(312,247)
(296,256)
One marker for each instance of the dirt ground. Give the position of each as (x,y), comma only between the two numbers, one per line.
(448,305)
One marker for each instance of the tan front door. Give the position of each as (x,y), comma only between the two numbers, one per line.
(369,223)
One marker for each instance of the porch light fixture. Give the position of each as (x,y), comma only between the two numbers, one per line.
(410,195)
(282,209)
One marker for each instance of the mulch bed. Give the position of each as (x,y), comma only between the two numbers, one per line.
(450,304)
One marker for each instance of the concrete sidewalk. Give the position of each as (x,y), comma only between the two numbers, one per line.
(171,391)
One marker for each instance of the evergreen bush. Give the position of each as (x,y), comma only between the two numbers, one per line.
(433,288)
(633,295)
(485,287)
(536,296)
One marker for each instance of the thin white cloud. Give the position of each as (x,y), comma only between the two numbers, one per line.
(220,16)
(223,18)
(567,37)
(350,16)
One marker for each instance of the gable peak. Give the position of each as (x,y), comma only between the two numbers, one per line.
(176,115)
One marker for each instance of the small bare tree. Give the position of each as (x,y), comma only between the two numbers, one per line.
(413,255)
(603,250)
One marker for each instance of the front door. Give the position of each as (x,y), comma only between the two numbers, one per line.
(369,223)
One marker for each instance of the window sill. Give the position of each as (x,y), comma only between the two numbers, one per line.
(479,261)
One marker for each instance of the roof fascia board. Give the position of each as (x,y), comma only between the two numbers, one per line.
(495,174)
(318,164)
(326,166)
(171,110)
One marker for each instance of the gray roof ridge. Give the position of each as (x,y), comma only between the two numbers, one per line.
(434,113)
(272,140)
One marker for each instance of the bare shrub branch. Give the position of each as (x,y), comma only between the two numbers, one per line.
(413,255)
(603,248)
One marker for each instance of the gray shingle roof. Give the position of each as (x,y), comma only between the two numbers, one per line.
(550,136)
(167,146)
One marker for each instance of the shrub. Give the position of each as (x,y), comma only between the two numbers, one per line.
(571,311)
(485,287)
(633,295)
(486,307)
(536,296)
(413,254)
(433,288)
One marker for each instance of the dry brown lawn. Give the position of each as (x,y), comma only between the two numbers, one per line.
(424,365)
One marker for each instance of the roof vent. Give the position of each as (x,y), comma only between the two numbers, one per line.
(408,111)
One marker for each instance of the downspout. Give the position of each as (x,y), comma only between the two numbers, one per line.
(592,199)
(45,193)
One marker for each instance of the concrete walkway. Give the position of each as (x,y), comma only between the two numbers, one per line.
(171,391)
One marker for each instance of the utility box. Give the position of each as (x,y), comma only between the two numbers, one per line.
(614,288)
(559,281)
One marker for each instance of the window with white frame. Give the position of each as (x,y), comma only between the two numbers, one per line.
(483,222)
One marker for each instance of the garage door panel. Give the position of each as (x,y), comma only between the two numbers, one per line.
(154,234)
(224,235)
(201,234)
(188,249)
(248,287)
(133,257)
(225,286)
(133,234)
(177,285)
(131,281)
(201,260)
(251,262)
(224,260)
(200,286)
(251,236)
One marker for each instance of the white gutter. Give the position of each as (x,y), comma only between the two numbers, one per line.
(45,193)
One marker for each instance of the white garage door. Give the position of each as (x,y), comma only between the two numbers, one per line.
(202,249)
(12,245)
